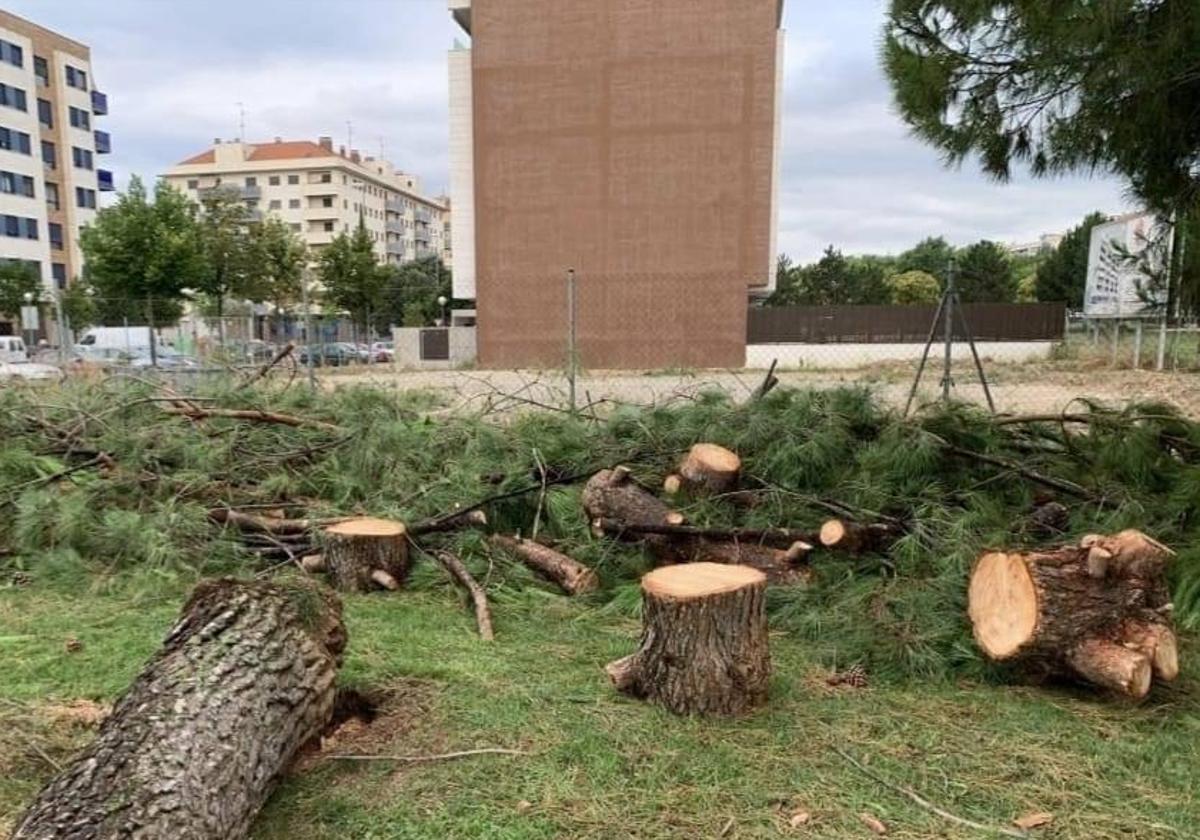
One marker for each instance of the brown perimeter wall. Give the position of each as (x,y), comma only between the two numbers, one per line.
(634,142)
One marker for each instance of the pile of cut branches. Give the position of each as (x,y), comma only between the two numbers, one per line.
(124,474)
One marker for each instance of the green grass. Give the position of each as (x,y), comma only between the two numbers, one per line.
(601,765)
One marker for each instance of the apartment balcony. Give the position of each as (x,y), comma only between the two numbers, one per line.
(396,248)
(422,215)
(394,226)
(252,192)
(103,142)
(394,205)
(426,253)
(421,234)
(99,103)
(104,180)
(232,190)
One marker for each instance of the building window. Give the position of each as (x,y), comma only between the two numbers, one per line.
(59,272)
(327,201)
(46,113)
(52,196)
(13,97)
(275,204)
(20,227)
(14,183)
(293,179)
(326,178)
(14,141)
(85,198)
(41,69)
(329,227)
(82,158)
(293,204)
(76,78)
(49,155)
(56,237)
(273,180)
(251,182)
(11,53)
(80,118)
(193,183)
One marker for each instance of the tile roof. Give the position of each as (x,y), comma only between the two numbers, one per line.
(284,150)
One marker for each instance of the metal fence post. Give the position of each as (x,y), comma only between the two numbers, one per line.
(1137,344)
(1162,344)
(572,357)
(948,330)
(308,342)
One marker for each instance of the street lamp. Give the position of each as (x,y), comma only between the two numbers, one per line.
(25,329)
(442,303)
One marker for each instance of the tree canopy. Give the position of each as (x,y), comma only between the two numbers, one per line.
(16,281)
(352,278)
(931,255)
(986,275)
(1063,274)
(832,280)
(914,287)
(232,261)
(1072,85)
(138,251)
(283,255)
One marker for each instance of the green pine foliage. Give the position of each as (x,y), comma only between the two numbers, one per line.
(403,455)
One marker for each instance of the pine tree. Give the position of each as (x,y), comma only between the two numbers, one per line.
(1063,275)
(931,255)
(986,275)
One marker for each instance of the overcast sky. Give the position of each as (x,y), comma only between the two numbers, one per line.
(175,71)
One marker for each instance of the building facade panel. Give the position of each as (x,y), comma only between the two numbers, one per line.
(635,142)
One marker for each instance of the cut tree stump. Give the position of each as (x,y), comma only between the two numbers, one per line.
(194,747)
(1098,610)
(704,642)
(707,469)
(572,577)
(364,554)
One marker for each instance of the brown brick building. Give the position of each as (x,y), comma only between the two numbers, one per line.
(632,140)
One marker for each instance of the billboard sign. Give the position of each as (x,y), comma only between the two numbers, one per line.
(1124,255)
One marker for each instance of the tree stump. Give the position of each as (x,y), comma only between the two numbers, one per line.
(1098,611)
(704,643)
(196,744)
(707,469)
(363,554)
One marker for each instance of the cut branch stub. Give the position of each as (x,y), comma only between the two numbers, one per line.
(1099,615)
(704,641)
(706,469)
(857,538)
(363,554)
(196,744)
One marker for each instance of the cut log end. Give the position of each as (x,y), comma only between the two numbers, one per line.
(1003,604)
(672,484)
(708,469)
(366,526)
(364,554)
(690,581)
(1112,666)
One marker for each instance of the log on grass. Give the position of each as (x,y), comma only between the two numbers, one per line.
(364,553)
(857,538)
(1097,611)
(483,612)
(704,641)
(572,577)
(196,744)
(781,566)
(707,469)
(614,495)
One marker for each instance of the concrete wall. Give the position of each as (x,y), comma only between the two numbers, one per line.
(408,348)
(845,356)
(634,142)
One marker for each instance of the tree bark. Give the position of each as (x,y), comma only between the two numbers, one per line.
(195,746)
(781,566)
(707,469)
(363,554)
(857,538)
(704,643)
(572,577)
(614,495)
(1098,610)
(483,612)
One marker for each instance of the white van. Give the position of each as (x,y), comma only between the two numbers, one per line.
(132,340)
(12,349)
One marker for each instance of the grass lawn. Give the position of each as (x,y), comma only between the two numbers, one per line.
(602,766)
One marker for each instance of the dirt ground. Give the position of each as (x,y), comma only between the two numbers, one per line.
(1041,387)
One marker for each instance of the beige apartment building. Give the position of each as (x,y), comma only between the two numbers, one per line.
(635,142)
(50,150)
(321,192)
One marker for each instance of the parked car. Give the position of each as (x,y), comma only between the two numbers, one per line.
(15,362)
(383,351)
(331,355)
(12,349)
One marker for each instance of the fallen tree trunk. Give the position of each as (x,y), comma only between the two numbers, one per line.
(255,523)
(195,412)
(778,537)
(857,538)
(483,612)
(572,577)
(1098,611)
(362,554)
(196,744)
(613,495)
(707,469)
(781,566)
(704,643)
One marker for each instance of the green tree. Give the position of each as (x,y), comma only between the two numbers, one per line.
(232,260)
(78,306)
(931,255)
(832,280)
(353,280)
(16,281)
(143,256)
(411,293)
(986,275)
(1063,274)
(914,287)
(283,255)
(1062,86)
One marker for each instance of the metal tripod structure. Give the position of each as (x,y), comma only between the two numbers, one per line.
(948,306)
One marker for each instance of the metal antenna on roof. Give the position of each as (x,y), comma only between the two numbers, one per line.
(349,135)
(241,122)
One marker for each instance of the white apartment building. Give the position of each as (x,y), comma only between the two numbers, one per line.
(49,150)
(322,192)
